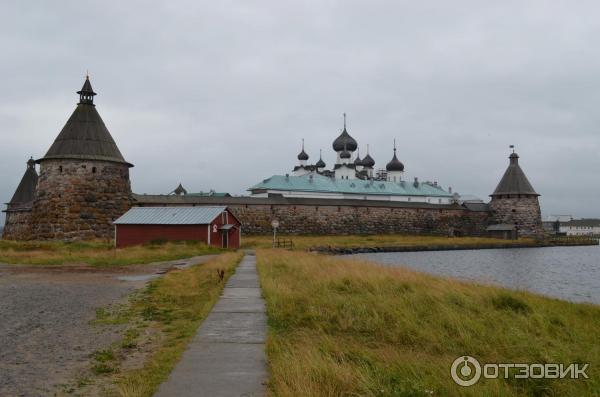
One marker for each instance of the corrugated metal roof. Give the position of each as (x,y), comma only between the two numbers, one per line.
(170,215)
(320,183)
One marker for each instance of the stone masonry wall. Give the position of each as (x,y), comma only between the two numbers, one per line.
(340,220)
(17,225)
(522,211)
(78,199)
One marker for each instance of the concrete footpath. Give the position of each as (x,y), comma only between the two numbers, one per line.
(227,355)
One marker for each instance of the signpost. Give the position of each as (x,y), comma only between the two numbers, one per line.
(275,225)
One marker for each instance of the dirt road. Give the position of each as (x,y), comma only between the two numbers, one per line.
(45,312)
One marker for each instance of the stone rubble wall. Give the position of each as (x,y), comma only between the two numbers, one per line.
(522,211)
(17,225)
(79,199)
(340,220)
(297,219)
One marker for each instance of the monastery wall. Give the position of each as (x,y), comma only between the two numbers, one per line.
(17,225)
(338,217)
(341,220)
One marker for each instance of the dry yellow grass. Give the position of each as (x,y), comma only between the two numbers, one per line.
(346,328)
(96,253)
(380,240)
(163,318)
(177,304)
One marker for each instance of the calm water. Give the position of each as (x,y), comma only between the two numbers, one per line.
(571,273)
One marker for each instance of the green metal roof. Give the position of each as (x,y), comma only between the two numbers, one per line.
(323,184)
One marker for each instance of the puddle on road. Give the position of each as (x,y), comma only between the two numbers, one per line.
(139,277)
(159,272)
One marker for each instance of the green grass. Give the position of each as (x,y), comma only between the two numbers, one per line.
(381,240)
(104,362)
(96,253)
(163,318)
(340,327)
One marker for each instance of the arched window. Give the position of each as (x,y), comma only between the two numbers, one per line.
(93,170)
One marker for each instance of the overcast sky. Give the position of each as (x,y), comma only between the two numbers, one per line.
(218,94)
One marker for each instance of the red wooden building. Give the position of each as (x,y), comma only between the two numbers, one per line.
(215,226)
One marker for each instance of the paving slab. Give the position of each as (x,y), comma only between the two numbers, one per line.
(227,357)
(233,327)
(239,305)
(241,292)
(241,283)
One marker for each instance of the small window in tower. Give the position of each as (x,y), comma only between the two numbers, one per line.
(93,170)
(60,168)
(514,210)
(83,166)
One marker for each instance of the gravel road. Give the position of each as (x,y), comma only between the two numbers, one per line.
(45,333)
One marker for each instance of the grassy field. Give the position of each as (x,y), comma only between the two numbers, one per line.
(382,240)
(340,327)
(159,322)
(96,253)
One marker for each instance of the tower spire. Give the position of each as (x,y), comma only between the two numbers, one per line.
(86,94)
(344,121)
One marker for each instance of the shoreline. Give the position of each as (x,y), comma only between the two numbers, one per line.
(452,247)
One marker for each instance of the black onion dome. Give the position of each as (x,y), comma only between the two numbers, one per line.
(320,164)
(344,140)
(303,155)
(394,164)
(358,161)
(368,161)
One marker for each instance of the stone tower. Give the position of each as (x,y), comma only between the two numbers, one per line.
(18,211)
(83,182)
(516,202)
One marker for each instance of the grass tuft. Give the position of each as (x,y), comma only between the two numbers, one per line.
(505,301)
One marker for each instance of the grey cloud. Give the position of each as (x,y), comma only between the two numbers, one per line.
(219,94)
